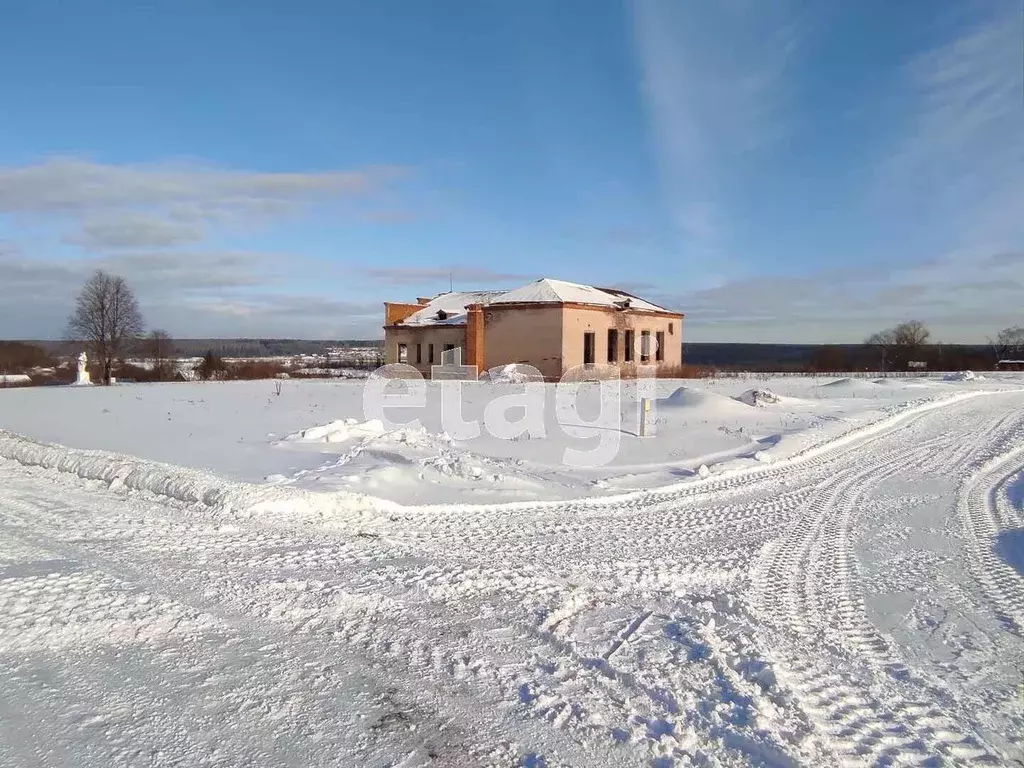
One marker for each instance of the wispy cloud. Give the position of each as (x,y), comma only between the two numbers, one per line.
(72,185)
(959,163)
(950,182)
(153,224)
(716,88)
(464,276)
(131,230)
(190,293)
(115,206)
(847,305)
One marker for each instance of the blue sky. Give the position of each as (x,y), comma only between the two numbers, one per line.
(778,170)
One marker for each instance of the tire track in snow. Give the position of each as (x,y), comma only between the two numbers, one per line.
(463,575)
(302,618)
(985,513)
(805,588)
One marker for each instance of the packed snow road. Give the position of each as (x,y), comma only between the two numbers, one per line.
(863,605)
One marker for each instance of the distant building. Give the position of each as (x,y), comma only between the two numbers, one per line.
(551,325)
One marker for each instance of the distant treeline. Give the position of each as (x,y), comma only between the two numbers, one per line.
(835,357)
(16,356)
(234,347)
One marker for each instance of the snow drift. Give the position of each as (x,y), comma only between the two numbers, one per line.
(190,486)
(338,431)
(759,397)
(699,399)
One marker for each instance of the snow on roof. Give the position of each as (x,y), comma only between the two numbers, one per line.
(452,305)
(548,291)
(543,291)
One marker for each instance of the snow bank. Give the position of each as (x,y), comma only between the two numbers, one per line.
(338,431)
(187,485)
(14,378)
(699,399)
(190,486)
(962,376)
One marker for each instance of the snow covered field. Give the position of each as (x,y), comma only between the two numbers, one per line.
(299,438)
(842,583)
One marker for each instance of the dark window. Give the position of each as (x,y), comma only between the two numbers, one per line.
(430,353)
(613,346)
(659,351)
(403,353)
(645,346)
(588,348)
(449,347)
(419,353)
(671,328)
(628,351)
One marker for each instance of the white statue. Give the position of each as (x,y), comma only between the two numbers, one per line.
(83,374)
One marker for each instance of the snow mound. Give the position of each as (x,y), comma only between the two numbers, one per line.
(118,471)
(183,484)
(512,374)
(688,397)
(759,397)
(338,431)
(15,378)
(846,383)
(962,376)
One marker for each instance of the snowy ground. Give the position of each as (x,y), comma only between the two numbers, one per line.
(299,438)
(857,602)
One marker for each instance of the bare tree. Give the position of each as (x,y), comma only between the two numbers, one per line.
(159,349)
(883,341)
(899,344)
(912,334)
(1009,344)
(106,319)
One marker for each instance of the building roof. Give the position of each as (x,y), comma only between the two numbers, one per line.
(548,291)
(450,308)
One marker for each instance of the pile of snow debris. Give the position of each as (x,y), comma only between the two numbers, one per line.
(759,397)
(512,373)
(338,431)
(962,376)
